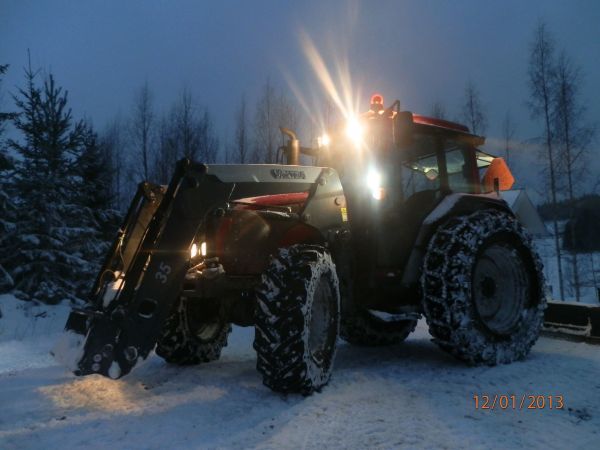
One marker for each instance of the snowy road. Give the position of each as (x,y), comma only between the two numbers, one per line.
(409,396)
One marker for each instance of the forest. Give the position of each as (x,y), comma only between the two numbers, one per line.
(64,184)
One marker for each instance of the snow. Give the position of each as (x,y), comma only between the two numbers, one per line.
(510,197)
(112,289)
(69,349)
(448,203)
(407,396)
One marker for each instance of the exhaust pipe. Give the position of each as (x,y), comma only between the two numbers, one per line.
(292,149)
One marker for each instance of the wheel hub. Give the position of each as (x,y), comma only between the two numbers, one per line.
(488,287)
(500,288)
(201,321)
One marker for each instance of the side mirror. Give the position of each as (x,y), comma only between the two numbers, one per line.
(403,129)
(498,176)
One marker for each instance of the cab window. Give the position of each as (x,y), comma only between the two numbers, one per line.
(459,170)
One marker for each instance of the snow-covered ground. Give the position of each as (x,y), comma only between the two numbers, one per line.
(408,396)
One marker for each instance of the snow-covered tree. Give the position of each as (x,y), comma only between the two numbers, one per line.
(52,251)
(7,213)
(7,206)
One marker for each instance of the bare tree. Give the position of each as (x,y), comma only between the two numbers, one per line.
(509,128)
(273,110)
(241,142)
(573,137)
(265,129)
(438,110)
(141,131)
(208,140)
(542,87)
(287,113)
(187,126)
(167,149)
(330,113)
(573,134)
(472,110)
(112,143)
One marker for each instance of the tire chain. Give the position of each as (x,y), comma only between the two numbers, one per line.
(446,290)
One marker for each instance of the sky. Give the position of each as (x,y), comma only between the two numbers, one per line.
(417,51)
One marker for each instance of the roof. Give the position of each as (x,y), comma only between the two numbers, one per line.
(459,131)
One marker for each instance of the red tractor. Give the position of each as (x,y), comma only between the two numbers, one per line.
(394,221)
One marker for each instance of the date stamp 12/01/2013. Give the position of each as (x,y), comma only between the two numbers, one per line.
(518,402)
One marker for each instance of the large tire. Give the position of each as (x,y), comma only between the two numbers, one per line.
(483,288)
(363,327)
(185,340)
(297,320)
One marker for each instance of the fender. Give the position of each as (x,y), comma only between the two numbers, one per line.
(452,205)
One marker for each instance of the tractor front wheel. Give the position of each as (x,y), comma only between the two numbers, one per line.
(187,338)
(297,320)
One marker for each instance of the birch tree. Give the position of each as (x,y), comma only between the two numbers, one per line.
(542,90)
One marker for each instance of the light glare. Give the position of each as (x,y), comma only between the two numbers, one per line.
(374,182)
(354,131)
(324,140)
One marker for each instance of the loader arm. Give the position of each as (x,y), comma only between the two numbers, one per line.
(153,265)
(143,273)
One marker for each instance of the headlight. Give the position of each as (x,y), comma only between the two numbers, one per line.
(354,131)
(194,250)
(374,183)
(323,141)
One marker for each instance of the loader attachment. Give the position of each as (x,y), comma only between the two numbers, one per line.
(144,272)
(142,275)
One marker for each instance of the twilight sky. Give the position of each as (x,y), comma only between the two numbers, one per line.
(418,51)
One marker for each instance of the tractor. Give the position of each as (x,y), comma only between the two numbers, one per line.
(398,217)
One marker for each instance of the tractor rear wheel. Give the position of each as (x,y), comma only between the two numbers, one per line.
(187,339)
(297,320)
(483,288)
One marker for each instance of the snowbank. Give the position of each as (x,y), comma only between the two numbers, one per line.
(22,320)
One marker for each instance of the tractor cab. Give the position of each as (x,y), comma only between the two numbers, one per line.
(390,155)
(396,167)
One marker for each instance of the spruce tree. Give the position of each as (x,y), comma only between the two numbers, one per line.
(44,255)
(98,221)
(7,206)
(7,214)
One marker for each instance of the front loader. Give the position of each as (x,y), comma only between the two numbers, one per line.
(400,218)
